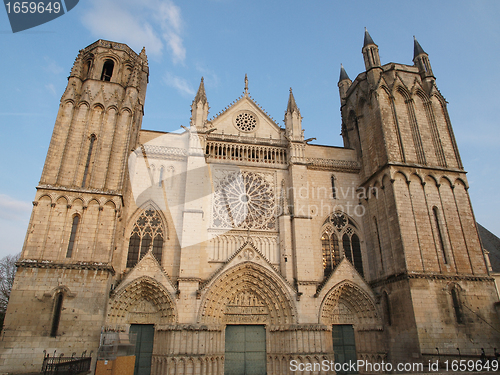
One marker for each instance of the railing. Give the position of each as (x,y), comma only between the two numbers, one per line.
(61,365)
(246,153)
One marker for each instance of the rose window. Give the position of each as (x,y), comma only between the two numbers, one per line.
(244,200)
(246,121)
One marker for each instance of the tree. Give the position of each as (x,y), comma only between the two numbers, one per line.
(7,273)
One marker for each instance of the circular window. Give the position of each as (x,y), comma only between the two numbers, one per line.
(246,121)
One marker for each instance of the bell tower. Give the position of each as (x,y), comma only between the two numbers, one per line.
(85,172)
(72,235)
(422,245)
(99,118)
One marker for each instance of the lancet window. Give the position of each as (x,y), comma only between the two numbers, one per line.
(147,234)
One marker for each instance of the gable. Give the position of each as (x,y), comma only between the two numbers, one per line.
(246,119)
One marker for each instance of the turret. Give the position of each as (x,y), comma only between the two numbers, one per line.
(199,107)
(370,52)
(293,120)
(421,61)
(343,84)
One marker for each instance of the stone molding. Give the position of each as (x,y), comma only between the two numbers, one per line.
(333,165)
(32,263)
(428,276)
(171,153)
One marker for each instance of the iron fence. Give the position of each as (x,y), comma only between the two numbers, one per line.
(61,365)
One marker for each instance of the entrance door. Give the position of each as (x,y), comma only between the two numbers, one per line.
(143,347)
(245,350)
(344,345)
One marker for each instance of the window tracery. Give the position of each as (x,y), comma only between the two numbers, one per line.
(246,121)
(339,226)
(147,233)
(244,200)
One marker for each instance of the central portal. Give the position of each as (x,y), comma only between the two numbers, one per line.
(245,350)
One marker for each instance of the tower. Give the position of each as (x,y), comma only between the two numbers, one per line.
(425,259)
(69,247)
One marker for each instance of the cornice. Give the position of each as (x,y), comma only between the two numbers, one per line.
(47,264)
(333,165)
(428,276)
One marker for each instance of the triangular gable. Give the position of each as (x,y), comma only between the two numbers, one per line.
(148,266)
(344,271)
(225,121)
(248,253)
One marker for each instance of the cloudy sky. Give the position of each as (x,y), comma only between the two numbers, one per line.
(279,44)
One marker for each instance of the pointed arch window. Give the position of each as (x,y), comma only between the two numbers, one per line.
(377,233)
(147,234)
(56,316)
(107,70)
(440,234)
(457,305)
(387,308)
(86,69)
(162,172)
(89,158)
(72,237)
(331,252)
(339,239)
(334,188)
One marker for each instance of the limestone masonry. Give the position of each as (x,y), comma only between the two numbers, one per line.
(234,246)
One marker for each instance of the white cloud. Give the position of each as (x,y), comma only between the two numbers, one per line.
(153,23)
(52,67)
(50,87)
(179,83)
(12,209)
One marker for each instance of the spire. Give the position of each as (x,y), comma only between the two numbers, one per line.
(421,61)
(344,83)
(143,56)
(292,106)
(293,120)
(200,95)
(246,84)
(368,39)
(343,74)
(199,108)
(370,54)
(417,49)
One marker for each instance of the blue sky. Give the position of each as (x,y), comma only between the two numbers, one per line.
(279,44)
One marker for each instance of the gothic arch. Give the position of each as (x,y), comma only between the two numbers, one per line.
(143,300)
(135,215)
(268,291)
(347,303)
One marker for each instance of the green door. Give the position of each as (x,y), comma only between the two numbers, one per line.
(143,347)
(344,345)
(245,350)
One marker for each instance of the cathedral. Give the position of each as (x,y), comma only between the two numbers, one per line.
(235,246)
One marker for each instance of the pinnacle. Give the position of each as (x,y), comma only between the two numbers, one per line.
(343,74)
(143,56)
(200,95)
(292,106)
(417,49)
(368,39)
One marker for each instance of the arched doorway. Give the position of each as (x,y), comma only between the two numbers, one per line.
(138,308)
(246,300)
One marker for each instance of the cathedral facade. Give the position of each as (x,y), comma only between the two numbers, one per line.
(235,246)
